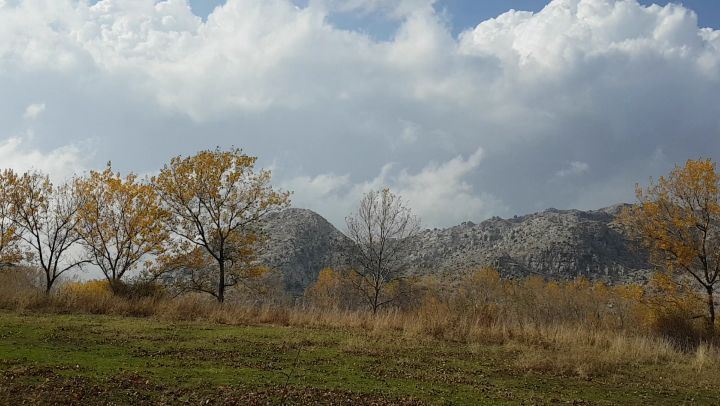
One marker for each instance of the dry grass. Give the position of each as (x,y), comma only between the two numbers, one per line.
(548,338)
(547,348)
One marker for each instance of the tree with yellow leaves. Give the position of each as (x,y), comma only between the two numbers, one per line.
(47,216)
(10,237)
(120,221)
(677,219)
(217,202)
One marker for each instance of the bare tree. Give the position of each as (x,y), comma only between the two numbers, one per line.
(47,216)
(380,233)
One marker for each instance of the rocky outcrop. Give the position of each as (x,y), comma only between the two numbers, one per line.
(301,243)
(555,244)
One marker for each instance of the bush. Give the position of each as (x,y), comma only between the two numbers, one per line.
(19,280)
(334,290)
(676,311)
(89,289)
(137,289)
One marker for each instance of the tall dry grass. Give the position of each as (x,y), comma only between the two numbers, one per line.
(573,328)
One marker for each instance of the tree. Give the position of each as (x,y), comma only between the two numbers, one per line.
(189,267)
(217,202)
(380,238)
(47,216)
(10,238)
(677,219)
(334,289)
(120,221)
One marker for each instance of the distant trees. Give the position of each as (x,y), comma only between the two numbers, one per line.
(216,202)
(380,233)
(120,221)
(677,220)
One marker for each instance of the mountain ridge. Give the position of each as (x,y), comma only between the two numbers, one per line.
(553,244)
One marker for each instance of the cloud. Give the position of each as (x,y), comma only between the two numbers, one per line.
(391,8)
(599,84)
(61,163)
(33,111)
(438,193)
(574,168)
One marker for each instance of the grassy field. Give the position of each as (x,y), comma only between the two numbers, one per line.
(48,358)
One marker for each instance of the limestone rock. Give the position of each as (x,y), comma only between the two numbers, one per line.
(554,244)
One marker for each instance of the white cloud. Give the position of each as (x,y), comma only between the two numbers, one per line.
(61,163)
(574,168)
(410,132)
(605,82)
(438,193)
(33,111)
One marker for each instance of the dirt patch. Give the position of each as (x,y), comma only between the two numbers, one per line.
(44,386)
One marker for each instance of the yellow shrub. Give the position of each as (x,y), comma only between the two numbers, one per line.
(324,291)
(90,289)
(675,309)
(335,289)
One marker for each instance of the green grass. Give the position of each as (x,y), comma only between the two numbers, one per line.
(100,359)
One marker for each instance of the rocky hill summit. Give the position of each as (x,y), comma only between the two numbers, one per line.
(301,243)
(554,244)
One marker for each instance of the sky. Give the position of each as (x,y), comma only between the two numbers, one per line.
(465,14)
(465,108)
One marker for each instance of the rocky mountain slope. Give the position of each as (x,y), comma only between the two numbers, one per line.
(556,244)
(301,243)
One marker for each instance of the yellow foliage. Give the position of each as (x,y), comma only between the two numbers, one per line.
(673,295)
(88,289)
(216,200)
(10,251)
(335,289)
(324,291)
(256,271)
(677,219)
(120,220)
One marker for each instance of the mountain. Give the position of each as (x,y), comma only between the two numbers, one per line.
(301,243)
(555,244)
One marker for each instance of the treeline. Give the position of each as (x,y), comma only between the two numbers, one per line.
(197,228)
(477,306)
(201,213)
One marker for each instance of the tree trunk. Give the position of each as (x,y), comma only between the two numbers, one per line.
(221,283)
(116,285)
(711,310)
(48,283)
(376,299)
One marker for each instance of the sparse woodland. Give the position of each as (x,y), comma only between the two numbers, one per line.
(182,246)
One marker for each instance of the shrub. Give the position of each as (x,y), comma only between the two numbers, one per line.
(675,310)
(137,289)
(334,290)
(93,288)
